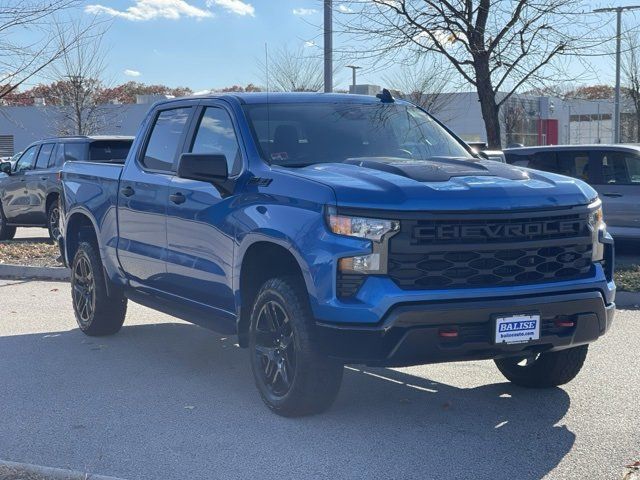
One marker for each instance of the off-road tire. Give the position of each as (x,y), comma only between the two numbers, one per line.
(53,215)
(6,232)
(316,378)
(550,369)
(97,312)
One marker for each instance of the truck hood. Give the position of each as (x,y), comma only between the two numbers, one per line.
(445,184)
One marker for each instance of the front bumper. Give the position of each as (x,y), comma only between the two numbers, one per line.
(411,334)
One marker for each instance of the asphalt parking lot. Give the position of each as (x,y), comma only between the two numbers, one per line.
(167,400)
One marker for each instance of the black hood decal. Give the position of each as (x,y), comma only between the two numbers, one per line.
(439,169)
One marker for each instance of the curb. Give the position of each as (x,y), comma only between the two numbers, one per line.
(34,273)
(19,471)
(627,299)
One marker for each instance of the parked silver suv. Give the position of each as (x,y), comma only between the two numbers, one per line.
(613,170)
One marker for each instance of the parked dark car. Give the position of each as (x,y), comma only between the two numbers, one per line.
(612,170)
(30,188)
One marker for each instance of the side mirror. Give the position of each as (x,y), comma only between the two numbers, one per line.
(205,167)
(5,167)
(484,155)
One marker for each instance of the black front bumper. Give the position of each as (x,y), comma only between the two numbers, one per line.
(414,334)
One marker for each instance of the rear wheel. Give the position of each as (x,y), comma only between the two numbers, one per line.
(53,220)
(97,312)
(544,370)
(6,232)
(294,378)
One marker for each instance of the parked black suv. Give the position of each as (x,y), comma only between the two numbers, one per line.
(30,189)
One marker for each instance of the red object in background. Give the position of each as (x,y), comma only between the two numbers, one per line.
(547,131)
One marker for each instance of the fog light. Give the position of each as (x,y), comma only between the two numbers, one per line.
(362,264)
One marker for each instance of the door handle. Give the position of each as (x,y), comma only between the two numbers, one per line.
(612,195)
(43,178)
(177,198)
(127,191)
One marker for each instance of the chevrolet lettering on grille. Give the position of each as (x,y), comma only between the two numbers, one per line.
(496,231)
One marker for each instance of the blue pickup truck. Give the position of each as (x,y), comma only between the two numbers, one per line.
(327,229)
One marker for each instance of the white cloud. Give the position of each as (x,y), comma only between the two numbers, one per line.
(344,9)
(132,73)
(303,12)
(234,6)
(152,9)
(309,44)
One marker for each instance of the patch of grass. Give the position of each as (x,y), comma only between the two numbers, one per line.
(628,278)
(9,473)
(29,252)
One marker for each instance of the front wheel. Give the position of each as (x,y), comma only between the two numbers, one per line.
(294,378)
(6,232)
(544,370)
(97,312)
(53,221)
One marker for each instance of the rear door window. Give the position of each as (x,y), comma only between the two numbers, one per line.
(45,154)
(112,151)
(545,161)
(574,164)
(166,139)
(57,157)
(74,152)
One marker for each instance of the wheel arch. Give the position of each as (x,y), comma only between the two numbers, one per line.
(262,260)
(51,197)
(79,227)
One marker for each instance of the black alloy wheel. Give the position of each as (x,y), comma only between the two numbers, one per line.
(275,348)
(53,221)
(84,290)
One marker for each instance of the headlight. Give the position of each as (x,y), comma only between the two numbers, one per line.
(375,229)
(369,228)
(596,219)
(598,228)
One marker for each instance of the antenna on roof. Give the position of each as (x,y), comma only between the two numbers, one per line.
(385,96)
(266,67)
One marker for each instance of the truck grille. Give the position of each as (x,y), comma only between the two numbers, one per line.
(434,253)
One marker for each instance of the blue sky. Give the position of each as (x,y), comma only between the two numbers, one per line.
(216,45)
(207,44)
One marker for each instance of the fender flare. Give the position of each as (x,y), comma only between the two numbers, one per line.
(277,238)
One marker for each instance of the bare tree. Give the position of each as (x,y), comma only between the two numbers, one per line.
(78,81)
(290,70)
(494,45)
(424,83)
(29,40)
(631,73)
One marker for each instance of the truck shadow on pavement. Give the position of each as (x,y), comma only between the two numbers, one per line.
(171,400)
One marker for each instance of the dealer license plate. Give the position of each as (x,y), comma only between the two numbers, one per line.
(517,328)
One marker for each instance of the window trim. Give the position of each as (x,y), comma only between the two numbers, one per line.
(181,141)
(193,133)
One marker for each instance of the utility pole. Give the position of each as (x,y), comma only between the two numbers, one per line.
(353,75)
(616,105)
(328,46)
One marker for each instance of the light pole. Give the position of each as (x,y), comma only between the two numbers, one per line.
(328,46)
(353,75)
(616,105)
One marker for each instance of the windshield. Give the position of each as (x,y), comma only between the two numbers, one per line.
(299,134)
